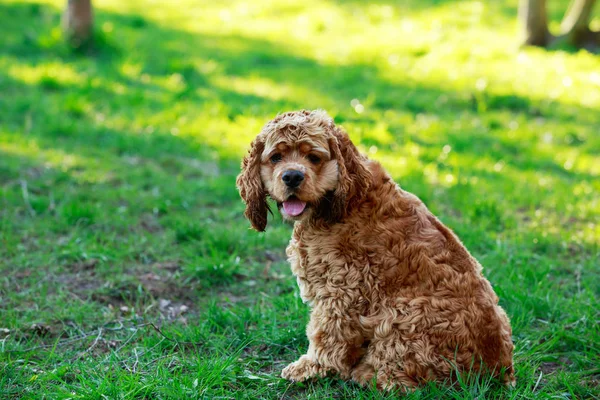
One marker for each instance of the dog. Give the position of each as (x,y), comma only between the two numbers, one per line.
(395,297)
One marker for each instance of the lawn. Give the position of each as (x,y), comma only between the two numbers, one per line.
(126,267)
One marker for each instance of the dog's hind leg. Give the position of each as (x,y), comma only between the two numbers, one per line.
(381,366)
(397,358)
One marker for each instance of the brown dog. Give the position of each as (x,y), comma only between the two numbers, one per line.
(394,294)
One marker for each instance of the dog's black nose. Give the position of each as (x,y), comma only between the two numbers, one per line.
(292,178)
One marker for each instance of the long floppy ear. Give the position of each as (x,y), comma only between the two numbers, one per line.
(251,187)
(353,176)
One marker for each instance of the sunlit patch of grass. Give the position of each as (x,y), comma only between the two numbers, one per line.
(53,75)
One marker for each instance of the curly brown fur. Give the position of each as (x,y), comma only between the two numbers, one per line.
(394,294)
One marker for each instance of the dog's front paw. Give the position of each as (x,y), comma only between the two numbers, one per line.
(302,370)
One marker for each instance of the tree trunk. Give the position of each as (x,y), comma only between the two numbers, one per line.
(575,24)
(534,21)
(575,30)
(78,23)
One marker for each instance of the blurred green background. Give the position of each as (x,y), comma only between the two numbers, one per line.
(118,204)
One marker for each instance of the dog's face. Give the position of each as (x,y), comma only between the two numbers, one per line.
(297,170)
(306,164)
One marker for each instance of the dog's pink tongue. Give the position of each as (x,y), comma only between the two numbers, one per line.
(294,207)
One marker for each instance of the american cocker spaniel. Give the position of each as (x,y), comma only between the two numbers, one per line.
(394,294)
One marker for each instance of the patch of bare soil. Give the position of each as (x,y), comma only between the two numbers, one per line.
(39,332)
(141,289)
(549,367)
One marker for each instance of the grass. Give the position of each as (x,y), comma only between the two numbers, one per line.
(118,205)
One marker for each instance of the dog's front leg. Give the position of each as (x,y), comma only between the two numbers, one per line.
(334,346)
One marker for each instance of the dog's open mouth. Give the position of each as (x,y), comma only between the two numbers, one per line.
(294,206)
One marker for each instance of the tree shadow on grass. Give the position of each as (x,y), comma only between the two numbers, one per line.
(233,57)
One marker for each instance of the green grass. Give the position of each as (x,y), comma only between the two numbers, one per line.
(118,205)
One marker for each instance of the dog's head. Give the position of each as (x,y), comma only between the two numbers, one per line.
(307,165)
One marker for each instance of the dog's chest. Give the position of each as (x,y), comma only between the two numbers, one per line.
(321,270)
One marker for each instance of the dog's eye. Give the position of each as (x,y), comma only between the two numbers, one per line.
(275,158)
(314,159)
